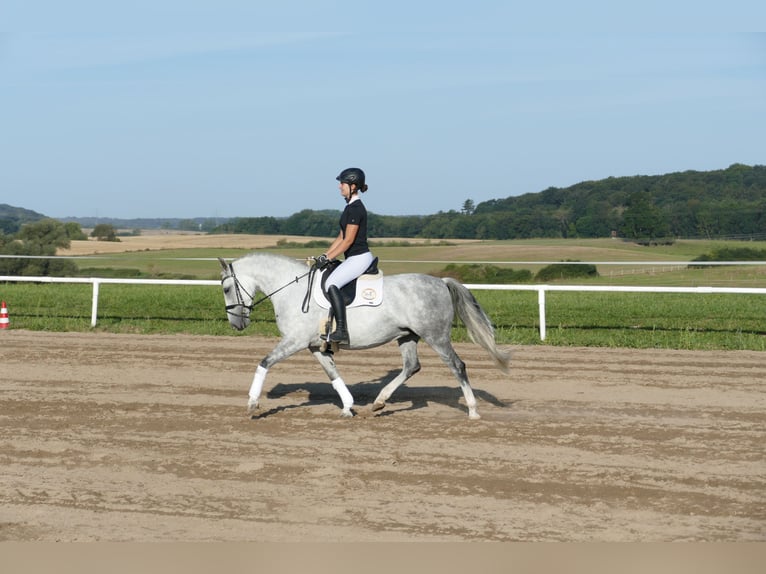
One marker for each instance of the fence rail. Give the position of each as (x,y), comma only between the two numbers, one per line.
(541,289)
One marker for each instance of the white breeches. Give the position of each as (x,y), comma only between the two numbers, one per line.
(350,269)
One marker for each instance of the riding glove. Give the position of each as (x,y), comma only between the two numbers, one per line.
(322,261)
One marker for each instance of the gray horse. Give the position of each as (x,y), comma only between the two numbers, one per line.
(414,307)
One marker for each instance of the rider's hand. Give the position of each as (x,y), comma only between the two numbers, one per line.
(322,261)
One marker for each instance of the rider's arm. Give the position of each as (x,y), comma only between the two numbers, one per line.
(341,243)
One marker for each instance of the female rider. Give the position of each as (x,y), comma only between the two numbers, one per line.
(352,243)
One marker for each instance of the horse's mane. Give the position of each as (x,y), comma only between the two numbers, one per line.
(272,260)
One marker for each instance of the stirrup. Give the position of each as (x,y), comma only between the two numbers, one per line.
(338,337)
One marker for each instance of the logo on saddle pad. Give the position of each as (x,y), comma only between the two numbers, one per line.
(369,292)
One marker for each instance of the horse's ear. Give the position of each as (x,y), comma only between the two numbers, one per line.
(224,265)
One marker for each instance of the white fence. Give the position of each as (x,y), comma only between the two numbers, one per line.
(541,289)
(97,281)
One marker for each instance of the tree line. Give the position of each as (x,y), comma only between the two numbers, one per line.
(728,203)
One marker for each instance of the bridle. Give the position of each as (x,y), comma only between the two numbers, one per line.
(239,289)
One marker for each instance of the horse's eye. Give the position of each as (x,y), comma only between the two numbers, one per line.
(226,290)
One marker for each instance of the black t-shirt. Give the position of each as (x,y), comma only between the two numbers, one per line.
(355,214)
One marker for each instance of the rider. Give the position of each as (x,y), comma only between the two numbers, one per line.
(352,242)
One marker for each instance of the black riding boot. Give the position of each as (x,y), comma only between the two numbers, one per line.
(340,335)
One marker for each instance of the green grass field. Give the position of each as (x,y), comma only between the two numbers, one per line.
(639,320)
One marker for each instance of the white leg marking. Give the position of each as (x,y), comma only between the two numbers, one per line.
(345,396)
(256,387)
(470,400)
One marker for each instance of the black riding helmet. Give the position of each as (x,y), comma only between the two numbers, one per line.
(352,175)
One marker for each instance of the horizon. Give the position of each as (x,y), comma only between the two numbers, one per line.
(209,217)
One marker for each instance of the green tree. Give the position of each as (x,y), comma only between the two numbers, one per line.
(644,220)
(45,233)
(104,232)
(74,231)
(8,225)
(39,241)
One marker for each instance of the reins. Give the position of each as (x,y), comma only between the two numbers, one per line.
(311,273)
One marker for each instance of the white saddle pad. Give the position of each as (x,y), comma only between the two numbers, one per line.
(369,292)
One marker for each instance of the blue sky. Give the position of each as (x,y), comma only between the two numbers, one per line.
(243,108)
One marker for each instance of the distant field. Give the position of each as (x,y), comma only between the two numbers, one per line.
(652,320)
(176,253)
(155,240)
(160,240)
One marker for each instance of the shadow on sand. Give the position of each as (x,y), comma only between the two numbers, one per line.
(364,394)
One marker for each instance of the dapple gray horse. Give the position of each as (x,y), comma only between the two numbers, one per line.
(414,307)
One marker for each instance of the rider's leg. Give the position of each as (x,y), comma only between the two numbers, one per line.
(340,335)
(350,269)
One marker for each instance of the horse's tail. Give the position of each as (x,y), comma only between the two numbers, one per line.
(479,326)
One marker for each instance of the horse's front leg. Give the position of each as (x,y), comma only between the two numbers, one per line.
(255,389)
(283,350)
(328,364)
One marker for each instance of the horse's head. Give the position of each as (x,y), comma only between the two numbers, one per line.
(239,302)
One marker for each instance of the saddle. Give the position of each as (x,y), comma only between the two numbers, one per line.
(364,291)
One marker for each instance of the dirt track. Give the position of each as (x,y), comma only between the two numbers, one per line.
(140,438)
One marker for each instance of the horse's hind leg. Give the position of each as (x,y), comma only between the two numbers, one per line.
(457,366)
(328,364)
(408,347)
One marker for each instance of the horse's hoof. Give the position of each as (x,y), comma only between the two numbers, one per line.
(347,414)
(377,406)
(474,416)
(252,407)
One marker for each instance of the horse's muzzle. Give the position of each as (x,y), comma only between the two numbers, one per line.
(239,323)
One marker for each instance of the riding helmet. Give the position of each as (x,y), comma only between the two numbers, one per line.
(352,175)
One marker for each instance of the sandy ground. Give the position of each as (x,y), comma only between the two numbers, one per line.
(145,438)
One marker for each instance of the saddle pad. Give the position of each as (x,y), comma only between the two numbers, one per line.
(369,292)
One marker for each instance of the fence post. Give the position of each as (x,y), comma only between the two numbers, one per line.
(541,304)
(94,307)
